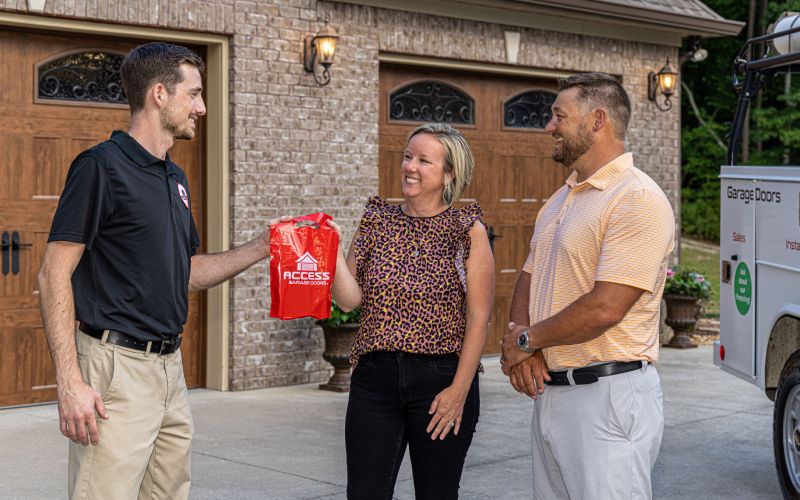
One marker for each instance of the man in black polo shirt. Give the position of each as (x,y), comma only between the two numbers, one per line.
(121,260)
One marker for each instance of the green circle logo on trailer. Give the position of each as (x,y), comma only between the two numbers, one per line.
(742,288)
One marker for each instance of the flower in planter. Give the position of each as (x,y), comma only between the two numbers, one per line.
(339,317)
(687,282)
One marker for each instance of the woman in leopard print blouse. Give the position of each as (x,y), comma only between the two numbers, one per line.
(423,274)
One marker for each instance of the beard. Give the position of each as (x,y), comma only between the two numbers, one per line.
(174,126)
(573,148)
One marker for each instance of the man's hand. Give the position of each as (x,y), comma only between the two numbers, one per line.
(512,355)
(264,236)
(529,376)
(77,403)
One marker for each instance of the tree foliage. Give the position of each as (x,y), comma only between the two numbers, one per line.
(775,134)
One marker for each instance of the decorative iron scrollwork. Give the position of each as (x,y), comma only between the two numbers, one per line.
(91,77)
(529,110)
(431,101)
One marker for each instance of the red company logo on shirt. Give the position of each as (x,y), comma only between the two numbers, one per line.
(183,194)
(307,273)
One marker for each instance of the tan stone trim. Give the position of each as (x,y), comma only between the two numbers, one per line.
(217,158)
(218,211)
(534,14)
(475,67)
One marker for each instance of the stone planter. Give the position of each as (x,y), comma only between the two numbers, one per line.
(682,313)
(338,341)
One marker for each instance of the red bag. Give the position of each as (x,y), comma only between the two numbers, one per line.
(302,266)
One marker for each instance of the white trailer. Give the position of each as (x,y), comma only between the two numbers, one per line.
(760,268)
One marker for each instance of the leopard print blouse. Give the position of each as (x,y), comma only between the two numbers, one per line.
(412,274)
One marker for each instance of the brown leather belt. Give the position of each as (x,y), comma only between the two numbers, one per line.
(590,374)
(167,346)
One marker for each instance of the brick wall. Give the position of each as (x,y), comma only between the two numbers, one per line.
(297,147)
(197,15)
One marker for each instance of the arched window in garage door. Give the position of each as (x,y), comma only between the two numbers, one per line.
(431,101)
(530,109)
(86,77)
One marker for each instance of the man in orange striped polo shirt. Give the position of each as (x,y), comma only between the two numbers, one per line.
(585,311)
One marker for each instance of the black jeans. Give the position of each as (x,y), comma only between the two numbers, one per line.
(390,395)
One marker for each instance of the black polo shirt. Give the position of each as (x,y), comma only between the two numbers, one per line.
(133,213)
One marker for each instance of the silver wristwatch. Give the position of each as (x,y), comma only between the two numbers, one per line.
(523,342)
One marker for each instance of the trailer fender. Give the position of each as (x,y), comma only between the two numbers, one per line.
(784,342)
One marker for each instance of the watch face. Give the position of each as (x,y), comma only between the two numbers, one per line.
(522,341)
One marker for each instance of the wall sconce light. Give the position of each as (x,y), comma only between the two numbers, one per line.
(664,81)
(319,50)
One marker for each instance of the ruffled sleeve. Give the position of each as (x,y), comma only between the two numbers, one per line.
(467,216)
(375,215)
(465,219)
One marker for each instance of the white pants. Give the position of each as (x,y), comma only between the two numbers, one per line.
(598,441)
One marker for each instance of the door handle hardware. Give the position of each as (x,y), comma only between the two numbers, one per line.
(5,245)
(726,271)
(15,254)
(16,246)
(492,236)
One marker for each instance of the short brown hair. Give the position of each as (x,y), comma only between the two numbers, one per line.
(601,90)
(151,63)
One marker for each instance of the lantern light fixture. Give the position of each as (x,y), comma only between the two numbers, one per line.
(318,52)
(664,81)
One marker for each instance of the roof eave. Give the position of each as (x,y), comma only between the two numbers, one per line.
(686,25)
(648,27)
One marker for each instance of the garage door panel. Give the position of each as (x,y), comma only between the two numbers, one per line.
(390,182)
(15,183)
(39,142)
(49,158)
(28,369)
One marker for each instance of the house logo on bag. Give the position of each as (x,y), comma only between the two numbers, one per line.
(306,263)
(306,273)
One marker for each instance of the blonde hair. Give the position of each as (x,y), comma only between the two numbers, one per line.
(458,159)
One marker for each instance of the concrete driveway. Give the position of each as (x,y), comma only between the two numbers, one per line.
(288,443)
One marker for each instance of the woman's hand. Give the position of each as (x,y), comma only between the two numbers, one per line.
(335,227)
(447,409)
(346,291)
(338,230)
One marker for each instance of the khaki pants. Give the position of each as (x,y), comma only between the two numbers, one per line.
(598,441)
(145,445)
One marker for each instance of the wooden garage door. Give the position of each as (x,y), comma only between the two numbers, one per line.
(39,137)
(502,118)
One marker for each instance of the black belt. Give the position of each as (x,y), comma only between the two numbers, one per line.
(590,374)
(167,346)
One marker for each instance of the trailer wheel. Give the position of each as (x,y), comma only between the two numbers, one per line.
(786,430)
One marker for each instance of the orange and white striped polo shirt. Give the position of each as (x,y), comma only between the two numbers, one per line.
(617,226)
